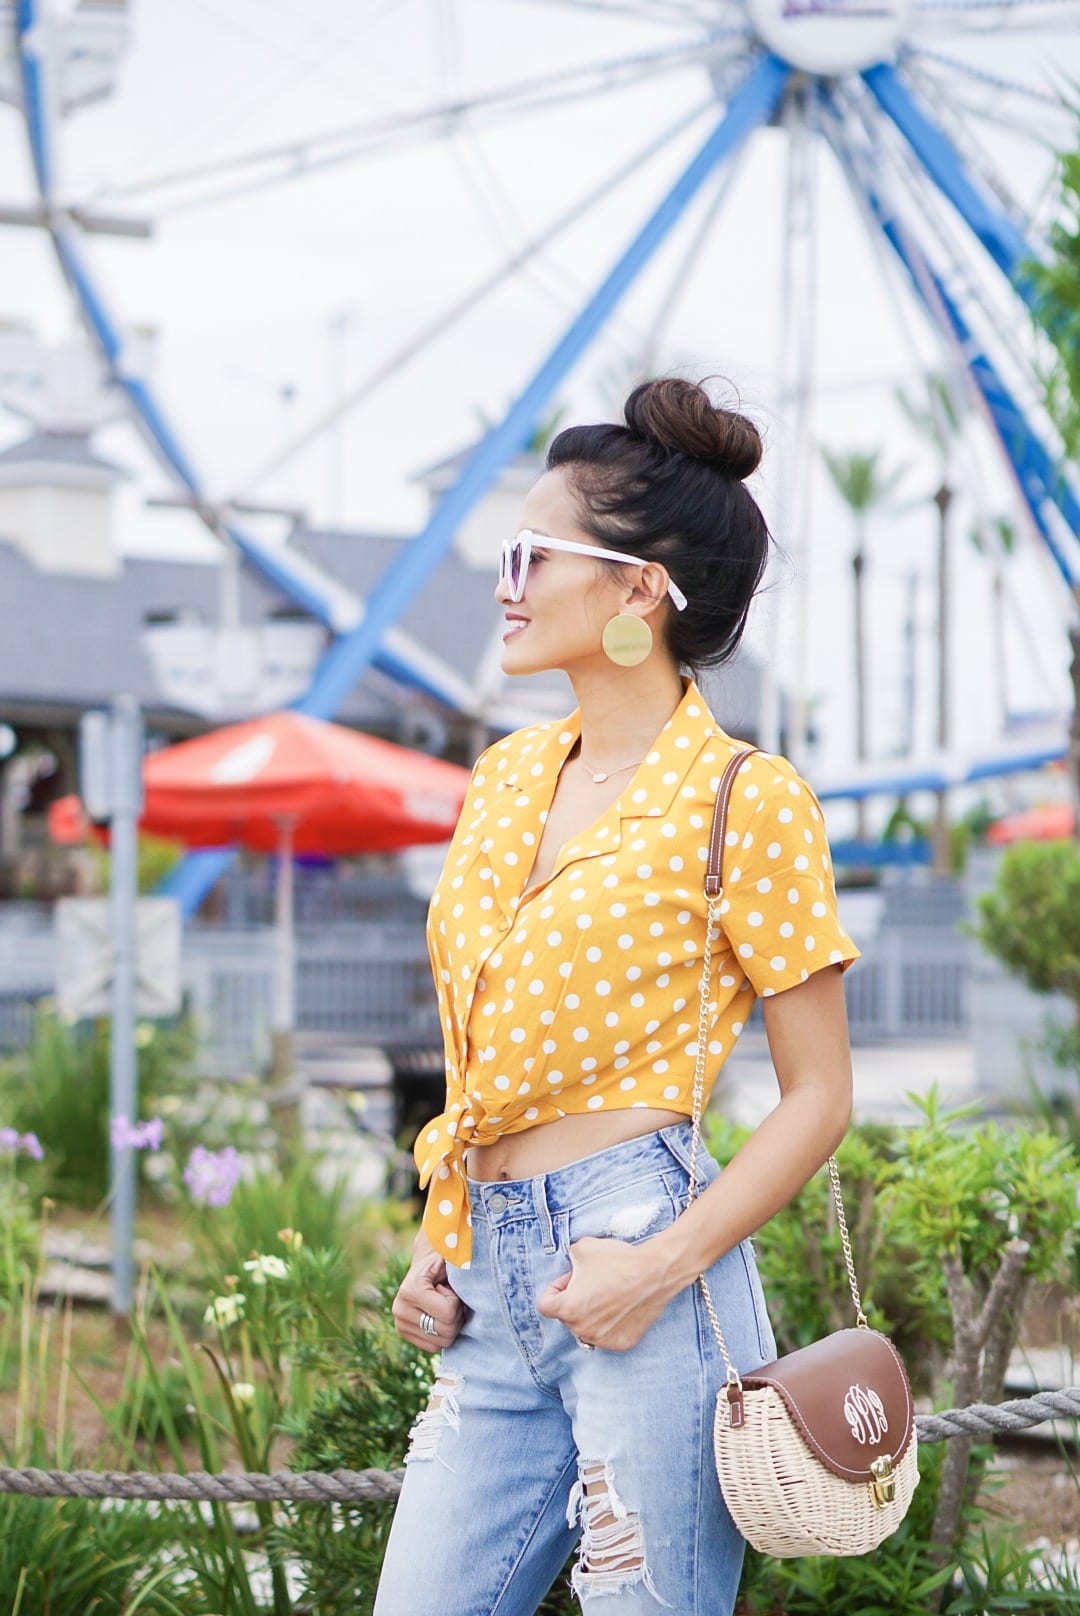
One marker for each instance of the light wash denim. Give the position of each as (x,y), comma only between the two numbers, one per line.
(530,1442)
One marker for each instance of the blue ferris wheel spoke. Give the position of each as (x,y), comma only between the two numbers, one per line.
(1037,473)
(751,105)
(1001,238)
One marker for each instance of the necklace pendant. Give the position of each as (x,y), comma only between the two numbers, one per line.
(598,779)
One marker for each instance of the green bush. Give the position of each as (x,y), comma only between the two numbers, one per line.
(1030,920)
(58,1089)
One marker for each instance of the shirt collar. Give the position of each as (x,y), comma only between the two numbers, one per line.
(648,794)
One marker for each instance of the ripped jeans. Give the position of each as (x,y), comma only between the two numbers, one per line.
(529,1442)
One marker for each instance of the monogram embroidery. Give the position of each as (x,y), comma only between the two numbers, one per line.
(865,1414)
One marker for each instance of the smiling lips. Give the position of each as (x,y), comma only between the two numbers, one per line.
(514,625)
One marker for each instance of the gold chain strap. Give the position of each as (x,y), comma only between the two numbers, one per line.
(712,933)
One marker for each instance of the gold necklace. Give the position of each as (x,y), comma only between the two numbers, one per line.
(605,774)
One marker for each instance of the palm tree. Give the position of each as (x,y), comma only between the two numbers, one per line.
(863,488)
(938,421)
(996,541)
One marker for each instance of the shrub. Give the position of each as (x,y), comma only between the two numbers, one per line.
(58,1089)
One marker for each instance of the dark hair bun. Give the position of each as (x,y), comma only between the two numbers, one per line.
(681,415)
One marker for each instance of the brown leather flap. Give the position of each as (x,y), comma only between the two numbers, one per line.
(849,1397)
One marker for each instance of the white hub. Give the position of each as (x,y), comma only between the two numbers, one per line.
(827,37)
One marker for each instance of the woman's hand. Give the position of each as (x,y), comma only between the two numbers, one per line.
(425,1290)
(611,1295)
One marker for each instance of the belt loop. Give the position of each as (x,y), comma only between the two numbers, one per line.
(543,1213)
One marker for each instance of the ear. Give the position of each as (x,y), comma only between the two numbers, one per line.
(650,591)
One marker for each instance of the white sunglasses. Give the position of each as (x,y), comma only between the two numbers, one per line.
(517,553)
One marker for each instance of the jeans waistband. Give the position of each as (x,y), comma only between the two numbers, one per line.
(565,1187)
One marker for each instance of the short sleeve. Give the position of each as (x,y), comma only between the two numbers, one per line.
(778,908)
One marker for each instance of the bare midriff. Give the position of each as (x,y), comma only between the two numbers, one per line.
(556,1144)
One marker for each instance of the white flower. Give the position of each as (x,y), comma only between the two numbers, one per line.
(243,1393)
(225,1310)
(263,1268)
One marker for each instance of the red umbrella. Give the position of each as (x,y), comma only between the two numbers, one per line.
(1054,822)
(287,783)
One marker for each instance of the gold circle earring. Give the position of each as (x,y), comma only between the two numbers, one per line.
(627,640)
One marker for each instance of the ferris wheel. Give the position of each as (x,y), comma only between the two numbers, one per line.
(935,116)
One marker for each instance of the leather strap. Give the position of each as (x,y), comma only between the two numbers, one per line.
(714,883)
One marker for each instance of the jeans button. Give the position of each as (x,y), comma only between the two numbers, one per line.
(497,1203)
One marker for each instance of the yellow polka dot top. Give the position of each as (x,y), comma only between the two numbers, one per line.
(583,995)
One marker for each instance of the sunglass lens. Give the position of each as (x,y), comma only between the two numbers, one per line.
(514,557)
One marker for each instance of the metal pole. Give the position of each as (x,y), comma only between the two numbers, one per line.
(284,1099)
(125,756)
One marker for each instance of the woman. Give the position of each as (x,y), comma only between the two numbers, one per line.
(556,1270)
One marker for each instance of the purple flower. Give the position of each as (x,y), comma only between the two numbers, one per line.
(136,1135)
(212,1175)
(28,1143)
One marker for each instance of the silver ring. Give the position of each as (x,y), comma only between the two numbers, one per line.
(586,1346)
(428,1325)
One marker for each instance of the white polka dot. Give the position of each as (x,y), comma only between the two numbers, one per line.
(584,922)
(802,862)
(518,1035)
(750,791)
(536,988)
(671,1092)
(554,939)
(836,957)
(531,1114)
(581,1035)
(637,1000)
(628,1083)
(793,895)
(595,1101)
(745,951)
(625,940)
(787,929)
(593,955)
(810,945)
(446,1207)
(785,816)
(793,787)
(778,962)
(603,989)
(774,850)
(656,929)
(618,910)
(660,1067)
(451,1240)
(644,871)
(755,918)
(764,885)
(819,909)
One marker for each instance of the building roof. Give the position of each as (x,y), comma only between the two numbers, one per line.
(54,450)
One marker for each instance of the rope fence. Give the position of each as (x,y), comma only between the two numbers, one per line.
(358,1486)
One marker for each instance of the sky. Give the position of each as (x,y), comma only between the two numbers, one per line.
(269,302)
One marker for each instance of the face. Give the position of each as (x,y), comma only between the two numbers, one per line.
(568,598)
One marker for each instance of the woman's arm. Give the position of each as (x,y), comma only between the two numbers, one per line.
(615,1291)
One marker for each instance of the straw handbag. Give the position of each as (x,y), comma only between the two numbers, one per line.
(815,1453)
